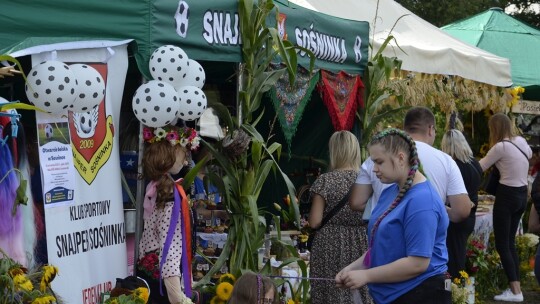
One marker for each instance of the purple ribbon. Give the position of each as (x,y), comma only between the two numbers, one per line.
(168,240)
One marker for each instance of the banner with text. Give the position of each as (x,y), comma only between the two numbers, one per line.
(209,30)
(81,177)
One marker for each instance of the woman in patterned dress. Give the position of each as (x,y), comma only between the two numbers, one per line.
(343,239)
(163,157)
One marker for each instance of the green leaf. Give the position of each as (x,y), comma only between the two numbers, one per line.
(192,173)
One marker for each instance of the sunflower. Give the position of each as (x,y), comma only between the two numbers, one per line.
(227,277)
(44,300)
(216,300)
(142,293)
(224,290)
(49,273)
(21,282)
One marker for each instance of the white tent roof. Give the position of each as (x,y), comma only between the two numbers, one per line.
(424,47)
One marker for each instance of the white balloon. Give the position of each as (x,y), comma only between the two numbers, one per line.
(155,103)
(192,102)
(169,63)
(194,77)
(51,86)
(90,88)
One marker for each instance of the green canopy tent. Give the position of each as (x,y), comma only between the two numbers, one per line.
(205,29)
(505,36)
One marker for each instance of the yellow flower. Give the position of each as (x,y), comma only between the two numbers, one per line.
(227,277)
(142,293)
(216,300)
(303,238)
(44,300)
(22,282)
(224,291)
(49,273)
(464,274)
(290,301)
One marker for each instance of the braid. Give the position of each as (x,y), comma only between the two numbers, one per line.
(395,140)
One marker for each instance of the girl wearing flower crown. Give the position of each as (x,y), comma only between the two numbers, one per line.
(167,229)
(407,256)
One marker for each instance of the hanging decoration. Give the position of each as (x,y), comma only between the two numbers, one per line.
(169,63)
(192,102)
(155,103)
(176,91)
(290,101)
(341,93)
(90,88)
(51,86)
(449,93)
(194,77)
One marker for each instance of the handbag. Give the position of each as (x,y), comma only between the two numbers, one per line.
(495,175)
(493,181)
(329,216)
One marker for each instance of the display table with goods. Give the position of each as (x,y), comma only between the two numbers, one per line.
(483,226)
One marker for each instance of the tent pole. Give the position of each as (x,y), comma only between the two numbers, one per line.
(139,199)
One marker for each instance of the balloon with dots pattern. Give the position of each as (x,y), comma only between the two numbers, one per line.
(51,86)
(155,103)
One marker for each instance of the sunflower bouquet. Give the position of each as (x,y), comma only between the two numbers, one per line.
(20,285)
(137,296)
(223,289)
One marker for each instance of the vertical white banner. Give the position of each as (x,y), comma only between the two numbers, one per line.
(86,237)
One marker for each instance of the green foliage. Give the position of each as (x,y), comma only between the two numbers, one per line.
(244,157)
(377,108)
(261,45)
(443,12)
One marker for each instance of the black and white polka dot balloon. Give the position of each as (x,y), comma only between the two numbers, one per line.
(51,86)
(169,63)
(192,102)
(90,88)
(194,77)
(155,103)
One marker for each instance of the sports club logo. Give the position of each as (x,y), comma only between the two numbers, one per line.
(92,136)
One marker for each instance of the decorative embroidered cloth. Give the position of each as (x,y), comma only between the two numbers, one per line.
(342,94)
(290,101)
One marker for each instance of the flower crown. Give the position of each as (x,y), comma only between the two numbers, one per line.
(186,137)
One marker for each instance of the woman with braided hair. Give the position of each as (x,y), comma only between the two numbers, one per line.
(407,256)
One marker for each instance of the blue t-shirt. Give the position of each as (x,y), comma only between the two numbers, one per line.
(416,227)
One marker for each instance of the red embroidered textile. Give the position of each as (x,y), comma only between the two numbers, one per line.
(342,93)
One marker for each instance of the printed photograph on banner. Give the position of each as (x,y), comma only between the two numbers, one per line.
(48,132)
(56,159)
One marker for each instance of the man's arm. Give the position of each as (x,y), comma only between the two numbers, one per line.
(460,207)
(359,196)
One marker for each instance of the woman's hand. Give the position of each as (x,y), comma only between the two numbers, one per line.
(354,279)
(340,275)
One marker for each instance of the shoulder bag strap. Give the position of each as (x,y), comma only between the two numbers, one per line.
(526,157)
(336,208)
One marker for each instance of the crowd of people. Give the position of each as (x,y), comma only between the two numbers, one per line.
(421,204)
(392,229)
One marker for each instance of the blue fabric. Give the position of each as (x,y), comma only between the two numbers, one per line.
(200,192)
(416,227)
